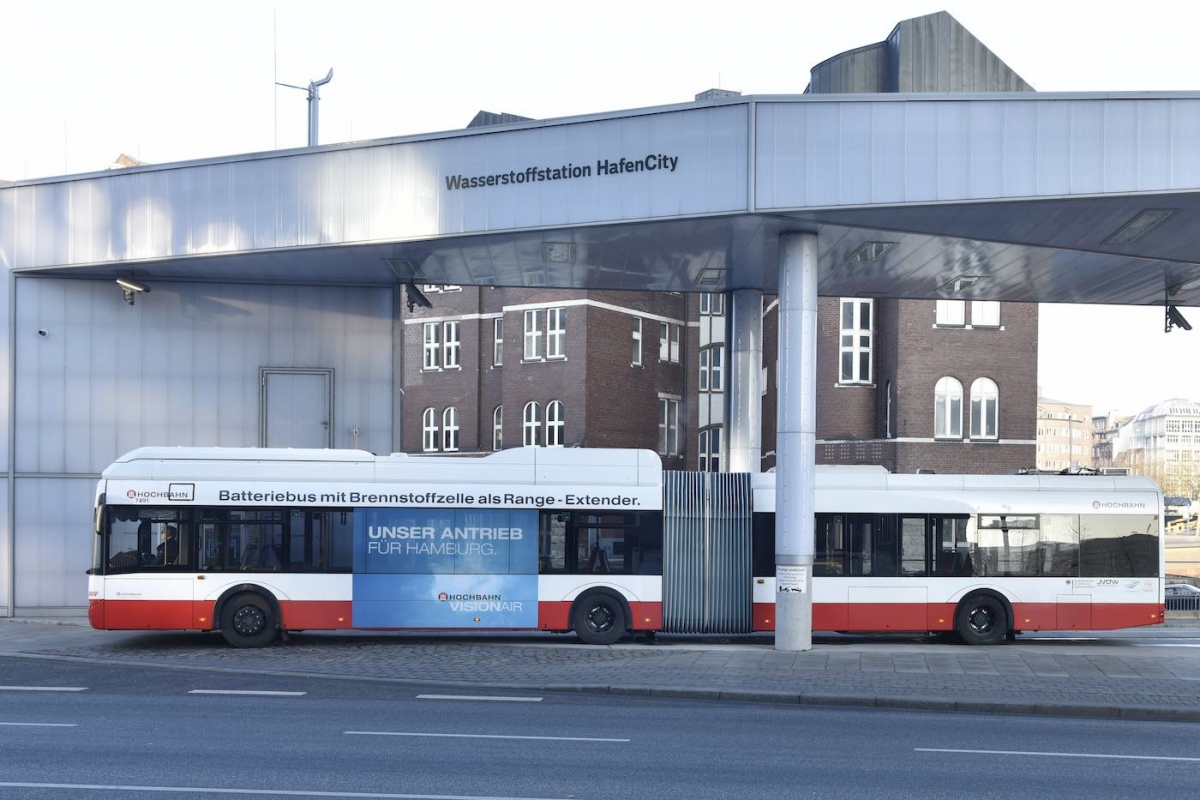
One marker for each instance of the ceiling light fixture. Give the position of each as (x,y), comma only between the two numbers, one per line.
(1140,225)
(131,288)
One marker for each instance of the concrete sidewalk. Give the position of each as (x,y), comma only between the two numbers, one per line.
(1153,673)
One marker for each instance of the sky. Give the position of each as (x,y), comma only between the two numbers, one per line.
(83,82)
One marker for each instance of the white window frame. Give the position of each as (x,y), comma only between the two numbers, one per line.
(556,425)
(451,345)
(429,430)
(668,342)
(450,430)
(668,426)
(637,342)
(531,425)
(498,342)
(985,314)
(533,335)
(712,304)
(985,409)
(556,332)
(498,428)
(711,362)
(709,449)
(851,340)
(431,346)
(950,313)
(947,408)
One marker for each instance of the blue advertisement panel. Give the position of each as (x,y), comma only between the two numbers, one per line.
(445,568)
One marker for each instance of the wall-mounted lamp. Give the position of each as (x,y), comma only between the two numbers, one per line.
(131,288)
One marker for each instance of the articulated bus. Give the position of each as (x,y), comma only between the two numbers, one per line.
(603,543)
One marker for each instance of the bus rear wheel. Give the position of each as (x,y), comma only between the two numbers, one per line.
(247,621)
(981,620)
(599,619)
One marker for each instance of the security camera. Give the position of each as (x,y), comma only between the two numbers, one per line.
(416,297)
(1175,319)
(41,332)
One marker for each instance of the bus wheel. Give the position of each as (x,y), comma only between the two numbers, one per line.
(982,620)
(599,619)
(247,621)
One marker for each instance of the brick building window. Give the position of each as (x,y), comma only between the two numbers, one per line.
(556,333)
(668,342)
(985,409)
(429,431)
(668,426)
(498,428)
(985,314)
(712,303)
(711,379)
(450,429)
(533,335)
(451,345)
(531,425)
(497,342)
(432,346)
(555,424)
(947,409)
(637,342)
(855,348)
(709,450)
(951,313)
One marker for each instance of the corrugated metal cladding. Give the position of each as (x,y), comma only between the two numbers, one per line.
(706,553)
(933,53)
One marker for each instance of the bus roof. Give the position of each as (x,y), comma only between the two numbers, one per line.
(519,465)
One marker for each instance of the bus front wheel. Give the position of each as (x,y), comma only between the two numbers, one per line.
(247,621)
(599,619)
(982,620)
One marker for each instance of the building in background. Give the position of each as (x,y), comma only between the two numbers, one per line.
(912,385)
(1163,442)
(1065,435)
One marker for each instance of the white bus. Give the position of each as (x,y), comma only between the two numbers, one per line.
(603,543)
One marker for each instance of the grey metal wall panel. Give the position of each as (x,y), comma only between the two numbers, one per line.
(181,366)
(6,554)
(53,542)
(383,192)
(920,151)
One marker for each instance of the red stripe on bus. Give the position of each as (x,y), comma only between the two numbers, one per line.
(148,615)
(864,617)
(316,615)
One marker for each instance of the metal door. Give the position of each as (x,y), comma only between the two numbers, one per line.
(296,408)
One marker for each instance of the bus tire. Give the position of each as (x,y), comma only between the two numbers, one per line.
(981,619)
(598,619)
(247,621)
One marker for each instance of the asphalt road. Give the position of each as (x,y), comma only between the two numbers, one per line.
(79,730)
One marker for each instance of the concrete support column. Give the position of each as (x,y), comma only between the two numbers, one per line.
(745,387)
(796,443)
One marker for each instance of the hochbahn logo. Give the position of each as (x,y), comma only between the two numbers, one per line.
(1098,504)
(181,492)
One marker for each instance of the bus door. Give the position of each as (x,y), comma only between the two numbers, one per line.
(898,546)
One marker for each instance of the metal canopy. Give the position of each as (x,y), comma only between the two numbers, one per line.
(1004,197)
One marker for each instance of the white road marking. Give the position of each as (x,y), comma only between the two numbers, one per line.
(1054,755)
(485,736)
(43,688)
(247,692)
(256,792)
(40,724)
(478,697)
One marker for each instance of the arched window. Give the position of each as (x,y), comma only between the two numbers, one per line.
(532,425)
(555,424)
(450,429)
(498,428)
(947,409)
(985,409)
(429,431)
